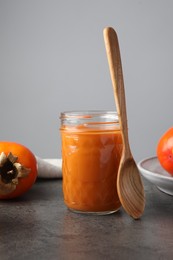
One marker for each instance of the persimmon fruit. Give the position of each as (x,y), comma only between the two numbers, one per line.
(165,151)
(18,169)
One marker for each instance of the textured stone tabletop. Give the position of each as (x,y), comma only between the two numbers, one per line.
(38,226)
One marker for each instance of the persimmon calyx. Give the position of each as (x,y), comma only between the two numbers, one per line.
(10,172)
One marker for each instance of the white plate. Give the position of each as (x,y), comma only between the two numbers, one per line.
(151,169)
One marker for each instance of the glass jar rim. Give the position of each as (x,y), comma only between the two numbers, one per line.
(89,119)
(90,114)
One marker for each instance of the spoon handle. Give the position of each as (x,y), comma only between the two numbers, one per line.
(115,67)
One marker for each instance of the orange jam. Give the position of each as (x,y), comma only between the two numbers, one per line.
(91,152)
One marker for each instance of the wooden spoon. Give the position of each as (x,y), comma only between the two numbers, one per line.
(129,183)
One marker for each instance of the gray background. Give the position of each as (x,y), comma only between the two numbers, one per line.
(52,58)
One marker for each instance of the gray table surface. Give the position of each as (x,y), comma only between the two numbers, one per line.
(39,226)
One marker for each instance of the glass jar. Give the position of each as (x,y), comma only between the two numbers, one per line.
(91,152)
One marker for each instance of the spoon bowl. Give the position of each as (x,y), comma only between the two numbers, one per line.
(130,188)
(129,184)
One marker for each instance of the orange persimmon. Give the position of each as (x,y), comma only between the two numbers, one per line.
(165,151)
(18,169)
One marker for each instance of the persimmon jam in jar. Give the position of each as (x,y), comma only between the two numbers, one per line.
(91,152)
